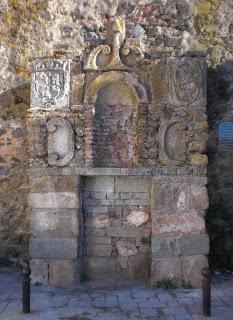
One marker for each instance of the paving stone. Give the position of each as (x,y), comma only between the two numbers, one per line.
(115,300)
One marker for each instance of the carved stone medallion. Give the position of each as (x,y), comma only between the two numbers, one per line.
(172,142)
(60,142)
(187,80)
(50,83)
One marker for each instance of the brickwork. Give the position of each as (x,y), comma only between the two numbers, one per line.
(117,228)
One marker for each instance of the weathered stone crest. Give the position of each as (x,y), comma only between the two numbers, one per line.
(187,83)
(50,83)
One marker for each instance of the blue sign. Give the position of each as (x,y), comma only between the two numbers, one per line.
(225,135)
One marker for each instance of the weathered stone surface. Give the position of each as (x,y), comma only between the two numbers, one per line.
(40,271)
(60,141)
(166,268)
(121,108)
(53,200)
(139,267)
(99,250)
(172,142)
(53,183)
(170,198)
(136,217)
(98,221)
(54,224)
(190,244)
(192,266)
(188,81)
(124,184)
(103,268)
(126,248)
(64,272)
(53,248)
(99,184)
(99,240)
(175,224)
(50,83)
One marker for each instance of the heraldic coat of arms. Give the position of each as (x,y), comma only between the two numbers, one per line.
(50,83)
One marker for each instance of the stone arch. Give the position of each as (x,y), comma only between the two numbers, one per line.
(135,88)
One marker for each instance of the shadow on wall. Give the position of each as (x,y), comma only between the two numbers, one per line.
(14,222)
(219,218)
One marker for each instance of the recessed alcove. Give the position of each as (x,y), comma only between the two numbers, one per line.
(115,126)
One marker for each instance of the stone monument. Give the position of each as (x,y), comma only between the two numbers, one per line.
(117,168)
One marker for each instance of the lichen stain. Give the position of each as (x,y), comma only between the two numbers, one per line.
(205,19)
(16,19)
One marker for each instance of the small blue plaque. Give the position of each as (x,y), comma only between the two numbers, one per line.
(226,135)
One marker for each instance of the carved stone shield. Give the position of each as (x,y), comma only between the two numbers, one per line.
(50,83)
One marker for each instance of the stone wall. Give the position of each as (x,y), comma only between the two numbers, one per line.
(117,228)
(56,28)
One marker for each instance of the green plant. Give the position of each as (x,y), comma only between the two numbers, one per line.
(187,285)
(167,283)
(145,241)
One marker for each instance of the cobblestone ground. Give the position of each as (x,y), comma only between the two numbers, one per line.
(124,301)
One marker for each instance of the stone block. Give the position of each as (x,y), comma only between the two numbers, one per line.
(99,184)
(53,200)
(139,267)
(135,217)
(126,248)
(53,183)
(97,221)
(166,268)
(126,232)
(103,268)
(170,197)
(193,244)
(99,240)
(198,198)
(99,250)
(53,248)
(132,184)
(189,244)
(54,224)
(40,271)
(178,224)
(95,209)
(64,272)
(192,266)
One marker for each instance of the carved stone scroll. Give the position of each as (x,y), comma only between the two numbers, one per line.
(109,57)
(172,142)
(60,142)
(50,83)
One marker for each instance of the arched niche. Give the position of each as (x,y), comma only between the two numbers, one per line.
(115,125)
